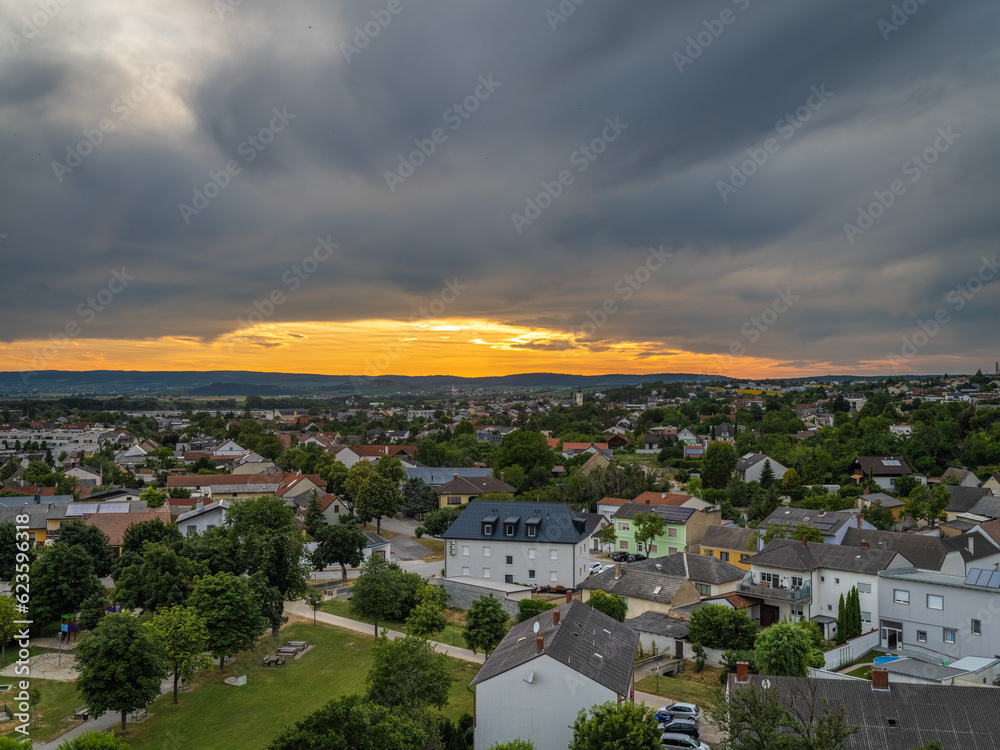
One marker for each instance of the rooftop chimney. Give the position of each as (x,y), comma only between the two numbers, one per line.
(880,679)
(663,495)
(454,476)
(864,544)
(618,571)
(860,519)
(539,645)
(972,541)
(569,597)
(555,617)
(501,476)
(742,671)
(805,542)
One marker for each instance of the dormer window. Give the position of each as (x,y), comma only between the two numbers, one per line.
(488,529)
(510,525)
(508,529)
(532,531)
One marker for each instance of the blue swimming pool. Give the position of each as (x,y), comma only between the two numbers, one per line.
(885,659)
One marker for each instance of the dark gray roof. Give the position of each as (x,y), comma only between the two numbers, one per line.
(923,669)
(958,717)
(373,539)
(637,581)
(926,552)
(749,460)
(729,537)
(886,501)
(972,546)
(438,476)
(963,499)
(21,501)
(988,506)
(474,486)
(658,623)
(669,513)
(560,523)
(827,523)
(587,641)
(791,554)
(877,466)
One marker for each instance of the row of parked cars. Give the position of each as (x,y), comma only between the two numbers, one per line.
(679,724)
(621,556)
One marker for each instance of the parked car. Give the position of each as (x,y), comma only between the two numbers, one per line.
(606,567)
(680,711)
(670,739)
(619,556)
(638,556)
(680,726)
(594,567)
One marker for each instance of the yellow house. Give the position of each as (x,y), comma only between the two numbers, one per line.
(34,519)
(732,544)
(461,490)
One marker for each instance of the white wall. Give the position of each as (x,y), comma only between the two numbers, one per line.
(542,711)
(570,565)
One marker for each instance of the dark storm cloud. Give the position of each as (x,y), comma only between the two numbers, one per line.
(344,123)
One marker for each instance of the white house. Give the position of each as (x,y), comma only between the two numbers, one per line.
(751,466)
(549,668)
(203,517)
(797,579)
(84,477)
(902,429)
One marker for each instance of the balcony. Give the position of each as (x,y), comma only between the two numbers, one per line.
(775,593)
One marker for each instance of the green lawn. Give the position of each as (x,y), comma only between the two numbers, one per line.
(58,701)
(216,716)
(703,689)
(342,608)
(864,673)
(435,548)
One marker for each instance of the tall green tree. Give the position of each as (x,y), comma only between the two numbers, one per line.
(342,544)
(717,626)
(120,666)
(352,723)
(407,675)
(91,539)
(718,465)
(377,591)
(767,475)
(138,534)
(184,641)
(418,497)
(8,614)
(525,449)
(61,579)
(648,526)
(786,649)
(163,579)
(842,626)
(615,726)
(428,616)
(610,604)
(879,516)
(377,496)
(231,614)
(314,514)
(485,625)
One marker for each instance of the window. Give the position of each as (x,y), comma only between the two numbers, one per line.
(553,554)
(508,529)
(796,580)
(822,579)
(531,575)
(531,554)
(836,581)
(486,572)
(623,525)
(901,596)
(465,549)
(671,550)
(949,635)
(532,531)
(864,588)
(704,589)
(771,578)
(935,601)
(652,550)
(192,529)
(508,579)
(672,531)
(454,500)
(866,616)
(743,557)
(510,559)
(486,552)
(623,545)
(922,636)
(724,556)
(488,529)
(638,546)
(553,576)
(977,627)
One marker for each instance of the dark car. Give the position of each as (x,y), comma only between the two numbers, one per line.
(680,726)
(637,557)
(619,556)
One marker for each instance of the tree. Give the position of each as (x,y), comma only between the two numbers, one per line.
(270,601)
(437,522)
(61,579)
(120,666)
(418,497)
(377,591)
(717,465)
(375,497)
(164,578)
(528,608)
(609,536)
(429,615)
(648,526)
(351,723)
(523,448)
(717,626)
(92,611)
(184,640)
(391,468)
(314,514)
(407,675)
(610,604)
(343,545)
(615,726)
(513,745)
(905,484)
(8,613)
(485,625)
(314,600)
(91,539)
(149,531)
(842,626)
(153,497)
(791,480)
(786,649)
(767,475)
(95,741)
(231,614)
(754,718)
(879,516)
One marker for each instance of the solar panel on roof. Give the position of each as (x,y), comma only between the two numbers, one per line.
(78,509)
(972,577)
(113,508)
(984,578)
(994,580)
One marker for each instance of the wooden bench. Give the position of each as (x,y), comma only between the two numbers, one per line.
(300,645)
(286,651)
(139,715)
(83,712)
(274,661)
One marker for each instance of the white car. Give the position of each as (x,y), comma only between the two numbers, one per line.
(680,711)
(594,567)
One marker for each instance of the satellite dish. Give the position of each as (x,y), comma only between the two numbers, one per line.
(765,683)
(535,626)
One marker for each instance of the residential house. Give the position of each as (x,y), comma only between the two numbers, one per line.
(977,547)
(939,614)
(659,633)
(751,466)
(548,669)
(461,490)
(797,579)
(927,552)
(894,504)
(892,716)
(654,440)
(965,477)
(572,449)
(376,545)
(964,500)
(992,484)
(731,600)
(115,524)
(685,528)
(599,460)
(883,471)
(687,436)
(203,517)
(84,477)
(832,525)
(435,477)
(732,544)
(529,543)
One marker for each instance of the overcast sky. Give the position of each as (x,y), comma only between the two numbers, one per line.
(714,158)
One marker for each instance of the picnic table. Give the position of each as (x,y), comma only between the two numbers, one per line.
(300,645)
(286,651)
(274,660)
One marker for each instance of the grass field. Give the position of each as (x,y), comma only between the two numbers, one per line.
(435,548)
(703,689)
(217,716)
(342,608)
(58,701)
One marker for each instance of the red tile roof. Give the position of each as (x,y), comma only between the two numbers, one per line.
(662,498)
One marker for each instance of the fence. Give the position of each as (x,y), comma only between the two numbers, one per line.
(844,654)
